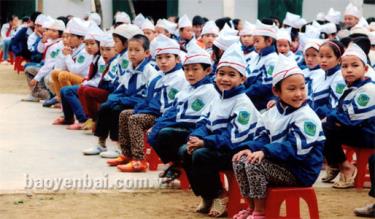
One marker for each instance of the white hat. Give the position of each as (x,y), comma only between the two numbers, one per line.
(372,26)
(265,30)
(139,19)
(164,44)
(312,43)
(167,25)
(333,16)
(210,28)
(329,28)
(371,36)
(363,23)
(122,17)
(354,50)
(127,30)
(184,21)
(228,30)
(291,19)
(94,32)
(225,40)
(77,26)
(195,54)
(41,19)
(96,18)
(357,29)
(284,68)
(47,22)
(312,31)
(147,24)
(106,40)
(320,16)
(233,57)
(284,34)
(352,10)
(57,25)
(248,29)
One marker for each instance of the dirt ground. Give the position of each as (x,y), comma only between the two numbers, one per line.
(143,204)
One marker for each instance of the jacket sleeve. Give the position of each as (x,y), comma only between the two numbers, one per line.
(76,67)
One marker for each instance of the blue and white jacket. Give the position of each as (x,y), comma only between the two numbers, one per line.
(313,76)
(230,120)
(162,92)
(188,107)
(293,137)
(259,81)
(300,59)
(133,85)
(79,61)
(356,107)
(110,78)
(93,79)
(328,92)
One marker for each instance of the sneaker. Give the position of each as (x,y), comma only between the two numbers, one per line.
(50,102)
(118,161)
(366,211)
(88,125)
(30,98)
(134,166)
(204,206)
(110,154)
(96,150)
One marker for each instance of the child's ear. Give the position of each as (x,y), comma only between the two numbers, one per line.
(178,60)
(243,79)
(366,68)
(275,91)
(147,52)
(207,70)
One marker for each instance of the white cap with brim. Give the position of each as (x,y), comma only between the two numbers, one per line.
(290,19)
(94,33)
(233,57)
(329,28)
(41,19)
(139,19)
(122,17)
(127,30)
(371,36)
(166,45)
(106,40)
(320,16)
(354,50)
(312,43)
(265,30)
(248,29)
(210,28)
(284,34)
(47,22)
(333,16)
(147,24)
(224,41)
(95,17)
(352,10)
(196,55)
(184,21)
(169,26)
(57,25)
(357,29)
(285,67)
(77,26)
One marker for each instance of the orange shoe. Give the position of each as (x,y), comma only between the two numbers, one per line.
(61,121)
(118,161)
(134,166)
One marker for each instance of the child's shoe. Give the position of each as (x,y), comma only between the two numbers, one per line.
(61,121)
(96,150)
(30,98)
(75,126)
(118,161)
(110,154)
(50,102)
(134,166)
(204,206)
(331,174)
(346,182)
(88,125)
(366,211)
(219,206)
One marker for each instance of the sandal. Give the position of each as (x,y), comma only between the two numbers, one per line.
(243,214)
(61,121)
(204,206)
(346,182)
(134,166)
(171,175)
(331,174)
(219,207)
(75,126)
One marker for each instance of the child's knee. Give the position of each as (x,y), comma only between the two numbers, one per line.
(55,74)
(63,76)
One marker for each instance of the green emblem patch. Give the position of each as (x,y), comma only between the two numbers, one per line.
(55,53)
(124,63)
(113,68)
(101,68)
(243,117)
(197,105)
(363,99)
(172,93)
(81,59)
(309,128)
(340,88)
(270,70)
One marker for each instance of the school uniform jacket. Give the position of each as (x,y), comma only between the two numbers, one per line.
(110,77)
(93,79)
(53,50)
(313,76)
(188,107)
(230,120)
(356,107)
(133,84)
(79,61)
(293,137)
(162,92)
(259,81)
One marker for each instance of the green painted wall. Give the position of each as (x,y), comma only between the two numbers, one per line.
(278,8)
(17,7)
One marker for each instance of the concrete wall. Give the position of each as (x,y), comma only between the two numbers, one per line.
(55,8)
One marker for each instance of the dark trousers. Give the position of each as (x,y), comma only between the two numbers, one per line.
(202,169)
(371,165)
(168,142)
(339,135)
(91,98)
(108,121)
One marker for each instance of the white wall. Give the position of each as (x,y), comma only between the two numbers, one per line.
(212,9)
(247,10)
(107,13)
(55,8)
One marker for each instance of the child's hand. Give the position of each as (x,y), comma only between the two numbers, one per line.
(270,104)
(194,143)
(256,157)
(238,155)
(67,51)
(33,82)
(149,131)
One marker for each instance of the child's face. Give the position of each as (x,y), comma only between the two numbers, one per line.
(52,34)
(372,47)
(91,47)
(328,59)
(167,62)
(292,90)
(107,53)
(353,69)
(65,38)
(160,30)
(350,21)
(247,40)
(74,40)
(39,29)
(150,34)
(208,40)
(186,33)
(283,46)
(195,73)
(228,78)
(136,52)
(294,45)
(312,58)
(197,30)
(260,43)
(119,46)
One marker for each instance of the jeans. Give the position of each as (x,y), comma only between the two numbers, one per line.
(71,105)
(5,46)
